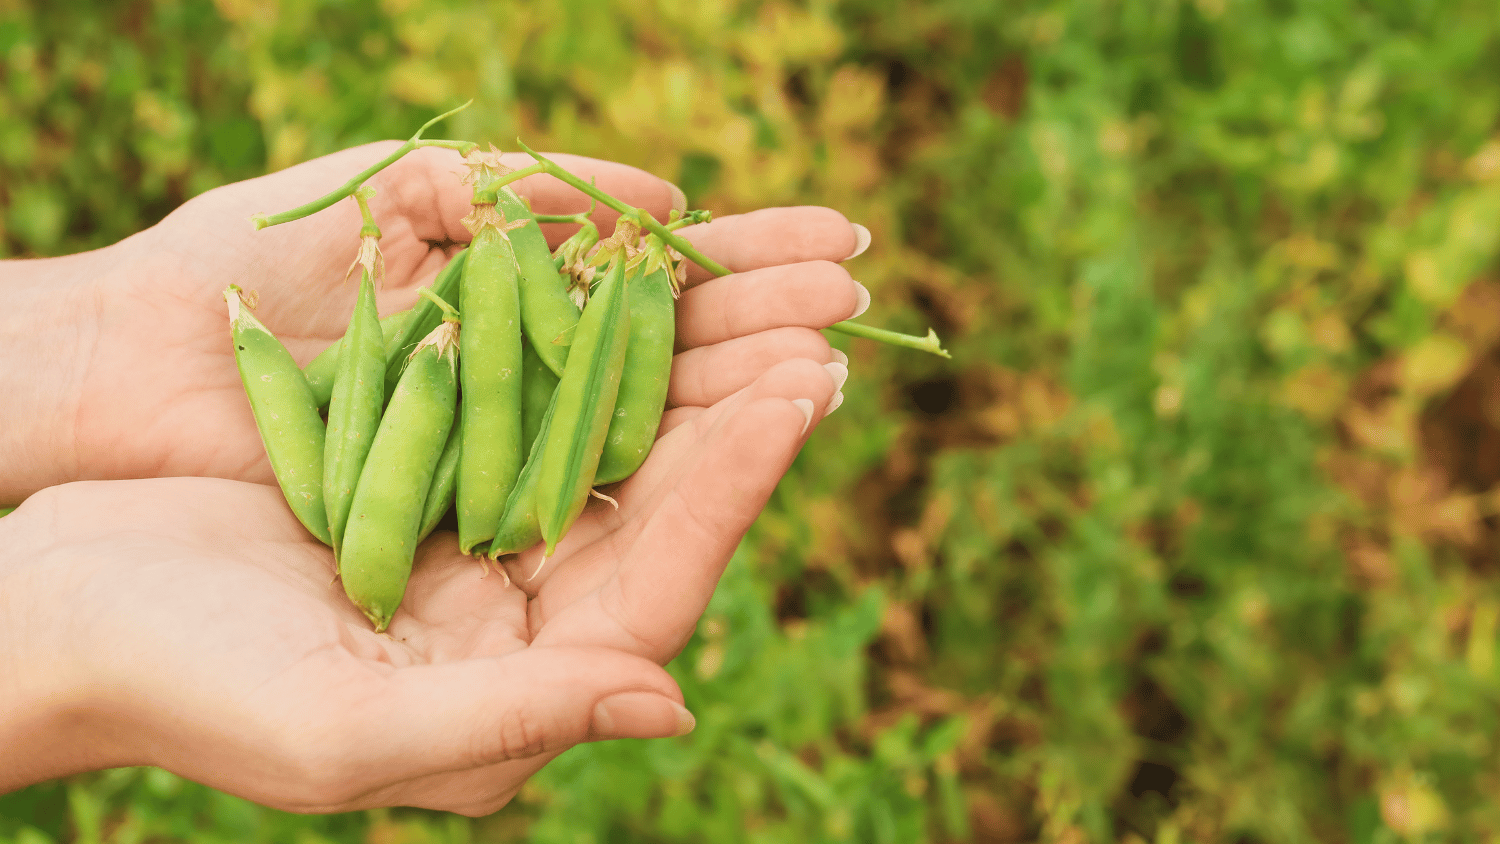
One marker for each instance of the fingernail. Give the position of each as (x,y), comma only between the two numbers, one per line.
(840,357)
(864,300)
(840,373)
(806,406)
(641,715)
(679,199)
(685,720)
(833,403)
(861,240)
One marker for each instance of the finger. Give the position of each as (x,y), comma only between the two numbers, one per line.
(653,602)
(814,294)
(423,191)
(465,715)
(707,374)
(676,417)
(773,236)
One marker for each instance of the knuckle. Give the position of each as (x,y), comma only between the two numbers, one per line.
(519,736)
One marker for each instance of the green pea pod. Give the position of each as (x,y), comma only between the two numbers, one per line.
(323,369)
(285,413)
(354,408)
(490,457)
(519,528)
(585,402)
(444,480)
(547,312)
(380,540)
(425,316)
(648,368)
(537,387)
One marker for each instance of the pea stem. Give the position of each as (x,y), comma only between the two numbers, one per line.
(929,344)
(450,314)
(580,218)
(264,220)
(363,196)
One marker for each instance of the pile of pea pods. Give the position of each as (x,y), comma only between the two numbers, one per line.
(521,380)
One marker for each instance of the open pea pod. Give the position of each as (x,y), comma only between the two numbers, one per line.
(584,404)
(285,414)
(385,520)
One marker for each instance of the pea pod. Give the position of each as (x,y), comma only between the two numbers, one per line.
(490,456)
(648,369)
(425,316)
(519,528)
(585,402)
(380,540)
(285,413)
(322,370)
(444,479)
(538,384)
(353,409)
(547,312)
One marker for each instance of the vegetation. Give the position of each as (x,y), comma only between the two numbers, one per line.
(1196,537)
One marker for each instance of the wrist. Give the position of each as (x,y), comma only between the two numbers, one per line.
(47,332)
(54,719)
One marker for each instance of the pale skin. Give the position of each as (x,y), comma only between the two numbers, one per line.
(190,622)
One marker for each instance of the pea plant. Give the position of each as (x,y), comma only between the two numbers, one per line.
(522,380)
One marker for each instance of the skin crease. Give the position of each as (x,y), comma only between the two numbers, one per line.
(189,622)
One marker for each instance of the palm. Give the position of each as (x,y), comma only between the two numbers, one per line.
(222,586)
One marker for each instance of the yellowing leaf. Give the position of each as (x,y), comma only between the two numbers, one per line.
(1434,364)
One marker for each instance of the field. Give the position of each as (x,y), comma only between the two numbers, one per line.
(1197,538)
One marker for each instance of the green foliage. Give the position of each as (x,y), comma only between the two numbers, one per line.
(1193,540)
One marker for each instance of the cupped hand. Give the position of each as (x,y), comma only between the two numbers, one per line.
(191,623)
(144,384)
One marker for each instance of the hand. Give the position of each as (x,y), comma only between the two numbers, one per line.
(120,365)
(193,624)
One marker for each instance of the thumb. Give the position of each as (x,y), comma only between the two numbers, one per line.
(479,712)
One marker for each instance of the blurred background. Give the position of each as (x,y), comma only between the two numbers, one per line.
(1195,538)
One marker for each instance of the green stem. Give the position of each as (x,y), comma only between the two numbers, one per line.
(580,218)
(348,188)
(363,196)
(449,313)
(929,344)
